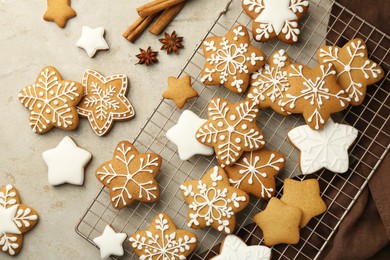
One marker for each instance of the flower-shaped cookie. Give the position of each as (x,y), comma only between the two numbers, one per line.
(269,84)
(230,60)
(314,93)
(213,202)
(231,129)
(52,101)
(104,101)
(15,219)
(130,175)
(276,18)
(355,71)
(163,240)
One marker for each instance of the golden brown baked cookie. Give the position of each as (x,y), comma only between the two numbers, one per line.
(180,90)
(59,11)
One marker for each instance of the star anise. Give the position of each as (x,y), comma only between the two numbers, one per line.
(147,57)
(171,43)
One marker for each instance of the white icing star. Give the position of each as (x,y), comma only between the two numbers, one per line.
(234,248)
(66,163)
(326,148)
(183,135)
(110,242)
(276,12)
(7,224)
(92,40)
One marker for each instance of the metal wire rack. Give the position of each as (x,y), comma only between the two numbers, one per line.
(339,191)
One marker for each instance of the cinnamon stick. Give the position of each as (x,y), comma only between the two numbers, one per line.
(133,27)
(165,18)
(156,6)
(135,30)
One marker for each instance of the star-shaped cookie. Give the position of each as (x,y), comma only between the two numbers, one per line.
(104,101)
(66,163)
(163,240)
(110,243)
(231,59)
(304,195)
(326,148)
(183,136)
(231,129)
(59,11)
(15,220)
(355,71)
(179,90)
(52,101)
(129,175)
(279,223)
(213,202)
(92,40)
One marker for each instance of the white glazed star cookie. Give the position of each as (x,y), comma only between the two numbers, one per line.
(92,40)
(110,242)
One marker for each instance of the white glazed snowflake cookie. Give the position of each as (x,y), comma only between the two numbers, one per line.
(276,18)
(269,84)
(213,202)
(104,101)
(230,60)
(92,40)
(326,148)
(110,243)
(163,240)
(355,71)
(15,219)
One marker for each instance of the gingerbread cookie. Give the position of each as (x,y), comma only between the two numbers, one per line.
(110,243)
(52,101)
(231,129)
(213,202)
(130,175)
(180,90)
(255,172)
(355,71)
(231,59)
(269,84)
(326,148)
(15,220)
(92,40)
(314,93)
(276,18)
(59,11)
(279,223)
(163,240)
(104,101)
(304,195)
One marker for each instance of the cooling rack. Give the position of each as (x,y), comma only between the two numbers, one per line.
(339,191)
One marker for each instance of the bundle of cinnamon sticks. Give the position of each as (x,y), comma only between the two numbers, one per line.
(166,10)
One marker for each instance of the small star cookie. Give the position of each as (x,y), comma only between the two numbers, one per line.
(59,11)
(180,90)
(92,40)
(110,243)
(163,240)
(129,175)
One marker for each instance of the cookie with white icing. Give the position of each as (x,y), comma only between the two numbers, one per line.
(276,18)
(231,59)
(92,40)
(355,71)
(110,243)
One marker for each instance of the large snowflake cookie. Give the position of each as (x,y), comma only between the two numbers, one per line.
(255,172)
(163,240)
(231,129)
(213,202)
(326,148)
(52,101)
(104,101)
(315,93)
(269,84)
(355,71)
(130,175)
(15,219)
(231,59)
(276,18)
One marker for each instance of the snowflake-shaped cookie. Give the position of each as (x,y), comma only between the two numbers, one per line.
(163,240)
(15,219)
(230,60)
(104,101)
(52,101)
(255,172)
(213,202)
(130,175)
(276,18)
(269,83)
(314,93)
(231,129)
(354,70)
